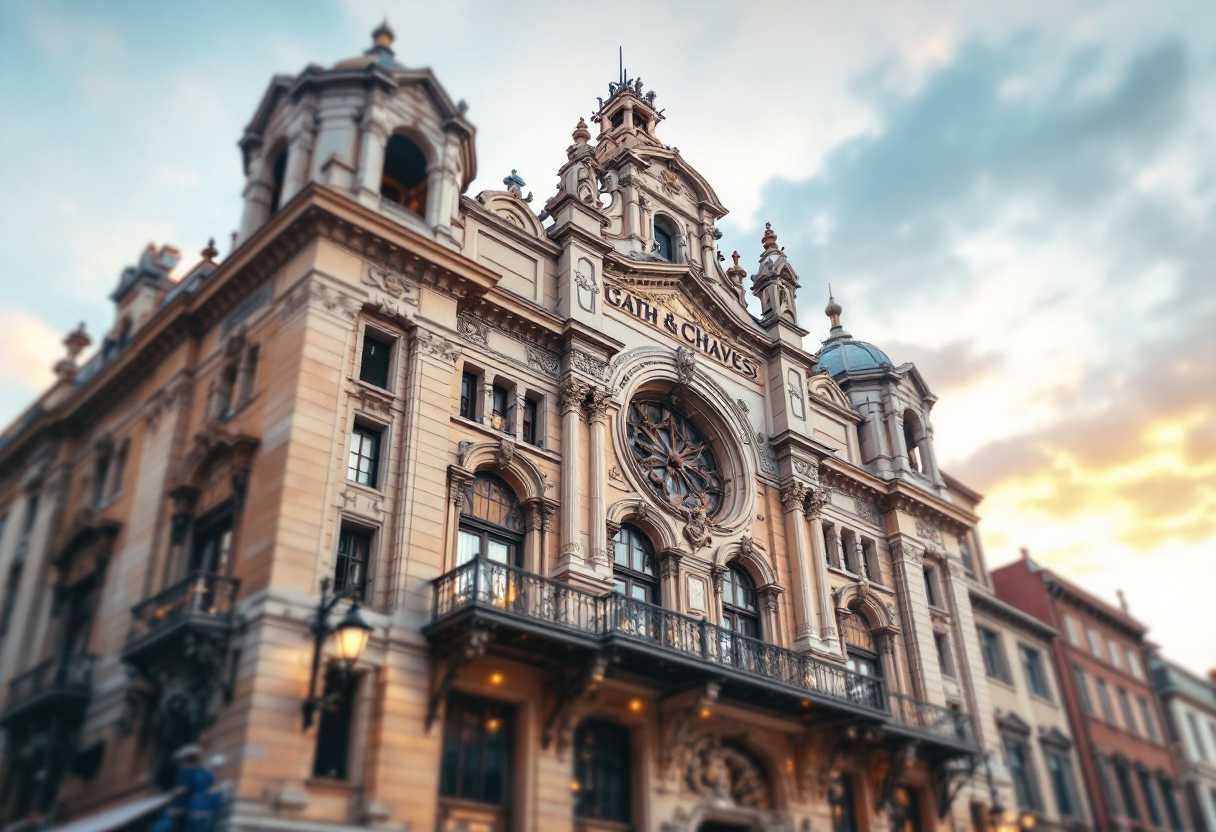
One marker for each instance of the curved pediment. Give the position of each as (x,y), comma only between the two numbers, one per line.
(512,210)
(821,386)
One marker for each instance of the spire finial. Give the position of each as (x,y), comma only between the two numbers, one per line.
(581,134)
(210,252)
(833,310)
(769,240)
(383,36)
(736,272)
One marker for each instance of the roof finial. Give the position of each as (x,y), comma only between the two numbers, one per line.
(736,272)
(769,240)
(383,36)
(210,252)
(833,310)
(1123,602)
(581,134)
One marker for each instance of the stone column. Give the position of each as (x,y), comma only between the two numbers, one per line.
(434,193)
(299,150)
(793,495)
(570,396)
(534,524)
(815,502)
(257,204)
(487,402)
(769,595)
(669,577)
(371,161)
(457,482)
(899,451)
(596,406)
(930,457)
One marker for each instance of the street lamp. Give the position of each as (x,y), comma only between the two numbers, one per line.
(350,637)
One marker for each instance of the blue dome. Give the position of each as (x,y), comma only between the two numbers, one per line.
(848,356)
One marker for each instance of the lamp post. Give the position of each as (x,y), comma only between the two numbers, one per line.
(350,637)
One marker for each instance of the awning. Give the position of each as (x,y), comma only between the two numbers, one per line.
(116,817)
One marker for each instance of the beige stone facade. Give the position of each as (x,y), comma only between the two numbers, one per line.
(622,541)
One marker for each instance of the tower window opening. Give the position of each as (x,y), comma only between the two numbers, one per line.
(915,458)
(278,173)
(664,240)
(404,178)
(618,118)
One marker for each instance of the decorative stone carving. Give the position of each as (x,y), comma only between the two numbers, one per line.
(816,499)
(727,775)
(768,598)
(686,365)
(436,345)
(669,564)
(615,475)
(806,468)
(307,292)
(506,451)
(792,496)
(463,448)
(394,285)
(584,280)
(473,330)
(571,393)
(596,404)
(927,531)
(904,552)
(589,364)
(696,522)
(865,510)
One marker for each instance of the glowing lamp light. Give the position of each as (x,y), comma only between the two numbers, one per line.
(496,679)
(635,705)
(350,637)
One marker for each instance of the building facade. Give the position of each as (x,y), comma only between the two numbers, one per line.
(630,556)
(1189,705)
(1102,668)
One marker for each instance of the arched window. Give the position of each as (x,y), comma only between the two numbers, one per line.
(911,429)
(739,610)
(860,646)
(404,178)
(490,523)
(665,237)
(278,172)
(633,566)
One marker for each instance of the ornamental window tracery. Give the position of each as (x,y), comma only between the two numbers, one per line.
(674,456)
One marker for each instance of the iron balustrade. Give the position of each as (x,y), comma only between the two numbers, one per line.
(519,593)
(201,595)
(954,726)
(68,673)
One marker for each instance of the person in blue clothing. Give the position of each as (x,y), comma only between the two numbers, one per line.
(195,804)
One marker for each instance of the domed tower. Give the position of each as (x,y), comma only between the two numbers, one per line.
(896,438)
(386,135)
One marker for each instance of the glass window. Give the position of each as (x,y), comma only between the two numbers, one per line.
(1192,725)
(1036,674)
(664,241)
(1018,757)
(840,799)
(1108,711)
(602,771)
(404,179)
(848,551)
(964,554)
(1171,802)
(528,429)
(1133,664)
(633,566)
(10,595)
(334,731)
(1095,643)
(1061,784)
(350,569)
(477,740)
(994,654)
(490,523)
(278,173)
(944,658)
(468,395)
(905,810)
(376,354)
(1150,796)
(1082,681)
(212,542)
(1104,779)
(739,610)
(1070,626)
(931,588)
(862,656)
(1123,777)
(31,515)
(1125,705)
(1116,655)
(500,401)
(1150,724)
(364,463)
(872,566)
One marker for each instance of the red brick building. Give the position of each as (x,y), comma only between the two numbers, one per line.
(1116,720)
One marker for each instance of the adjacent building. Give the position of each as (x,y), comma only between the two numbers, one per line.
(1189,704)
(1102,670)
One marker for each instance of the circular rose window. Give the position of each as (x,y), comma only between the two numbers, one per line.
(674,456)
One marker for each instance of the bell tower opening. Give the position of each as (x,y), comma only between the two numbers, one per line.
(278,172)
(404,178)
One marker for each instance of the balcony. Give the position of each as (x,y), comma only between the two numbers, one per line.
(60,687)
(546,622)
(201,605)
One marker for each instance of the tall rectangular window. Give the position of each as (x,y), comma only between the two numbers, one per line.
(468,395)
(354,554)
(1082,682)
(840,799)
(872,565)
(364,465)
(848,551)
(1125,705)
(11,586)
(1070,627)
(1108,711)
(212,542)
(1036,673)
(1020,770)
(1095,643)
(1150,795)
(31,516)
(1133,664)
(1116,655)
(1102,764)
(1192,725)
(1123,777)
(830,549)
(332,756)
(500,403)
(931,588)
(964,554)
(477,742)
(1061,784)
(904,810)
(528,428)
(945,659)
(377,355)
(1170,799)
(994,654)
(602,772)
(1146,716)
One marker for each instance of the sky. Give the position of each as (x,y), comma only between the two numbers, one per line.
(1019,198)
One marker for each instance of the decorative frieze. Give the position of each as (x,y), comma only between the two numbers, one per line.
(437,346)
(927,531)
(587,363)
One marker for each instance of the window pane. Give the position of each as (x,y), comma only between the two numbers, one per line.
(1060,784)
(840,798)
(468,546)
(333,732)
(498,551)
(602,775)
(374,367)
(476,750)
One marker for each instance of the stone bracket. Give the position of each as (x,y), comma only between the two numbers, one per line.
(471,646)
(950,776)
(897,758)
(578,687)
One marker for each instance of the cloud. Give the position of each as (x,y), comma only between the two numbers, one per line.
(28,351)
(950,367)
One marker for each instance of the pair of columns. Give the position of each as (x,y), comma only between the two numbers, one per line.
(815,621)
(577,399)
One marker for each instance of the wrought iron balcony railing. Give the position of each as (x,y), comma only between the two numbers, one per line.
(58,681)
(484,584)
(203,598)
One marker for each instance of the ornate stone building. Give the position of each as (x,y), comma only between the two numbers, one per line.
(631,556)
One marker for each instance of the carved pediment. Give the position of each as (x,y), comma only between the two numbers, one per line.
(512,210)
(821,386)
(1012,723)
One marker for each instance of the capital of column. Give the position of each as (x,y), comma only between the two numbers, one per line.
(595,405)
(669,563)
(792,496)
(571,393)
(816,499)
